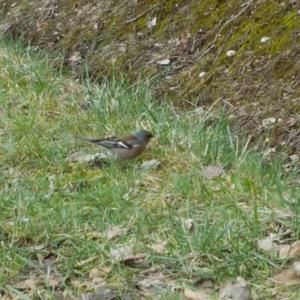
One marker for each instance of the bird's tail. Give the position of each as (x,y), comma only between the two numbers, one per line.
(87,140)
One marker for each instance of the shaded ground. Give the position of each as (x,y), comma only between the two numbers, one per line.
(176,41)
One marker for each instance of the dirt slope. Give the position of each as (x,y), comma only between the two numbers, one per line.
(243,55)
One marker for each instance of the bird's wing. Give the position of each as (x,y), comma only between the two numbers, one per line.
(112,142)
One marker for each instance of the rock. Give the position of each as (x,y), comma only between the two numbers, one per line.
(265,39)
(152,23)
(202,74)
(164,62)
(230,53)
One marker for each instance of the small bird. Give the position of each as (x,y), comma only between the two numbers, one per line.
(125,147)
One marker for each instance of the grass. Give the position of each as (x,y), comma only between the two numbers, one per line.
(54,210)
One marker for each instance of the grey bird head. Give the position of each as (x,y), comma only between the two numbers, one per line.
(143,135)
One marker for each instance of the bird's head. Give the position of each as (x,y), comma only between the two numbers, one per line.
(143,135)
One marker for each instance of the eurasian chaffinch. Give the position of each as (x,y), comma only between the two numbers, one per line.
(125,147)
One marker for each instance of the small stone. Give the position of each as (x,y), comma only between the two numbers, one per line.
(164,62)
(265,39)
(202,74)
(230,53)
(269,122)
(296,266)
(152,23)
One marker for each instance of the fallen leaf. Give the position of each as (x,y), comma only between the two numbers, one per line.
(196,295)
(269,122)
(237,290)
(267,244)
(28,284)
(96,275)
(75,57)
(210,172)
(114,232)
(94,235)
(120,253)
(159,247)
(284,251)
(38,247)
(102,293)
(286,277)
(150,164)
(136,261)
(294,250)
(86,261)
(154,280)
(80,157)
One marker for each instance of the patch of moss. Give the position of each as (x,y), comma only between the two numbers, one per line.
(194,34)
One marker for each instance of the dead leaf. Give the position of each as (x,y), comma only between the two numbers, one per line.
(294,250)
(94,235)
(75,57)
(159,247)
(81,157)
(286,277)
(284,251)
(120,253)
(136,261)
(37,247)
(196,295)
(86,261)
(267,244)
(154,280)
(114,232)
(28,284)
(150,164)
(96,275)
(237,290)
(210,172)
(269,122)
(102,293)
